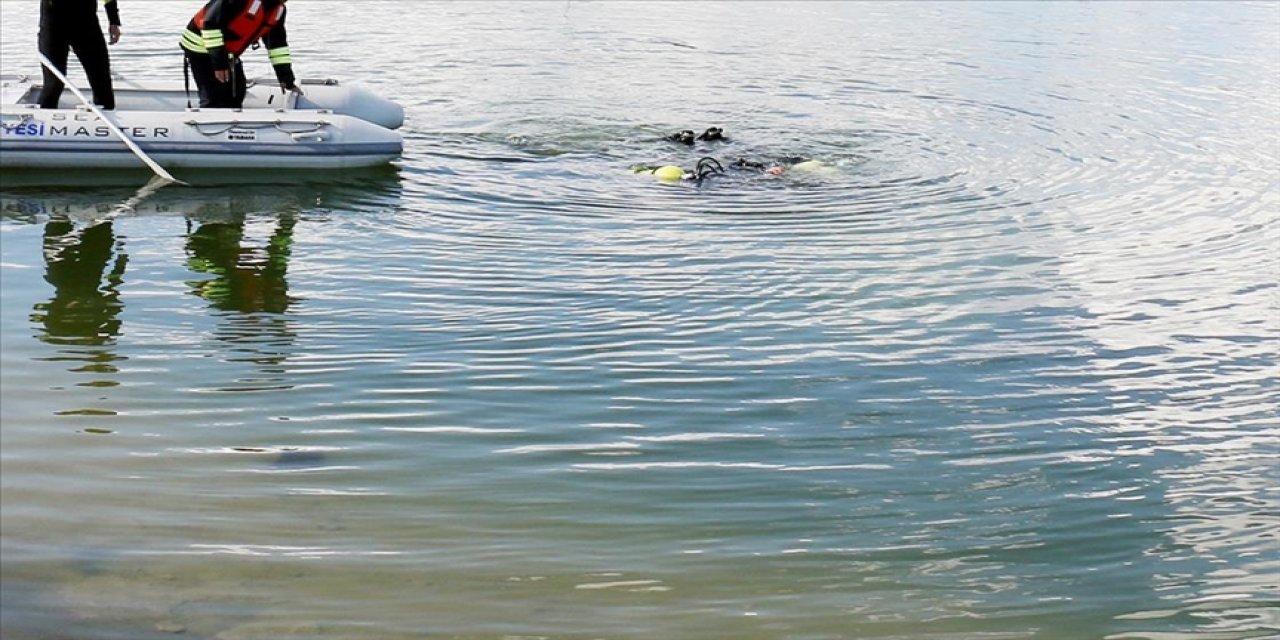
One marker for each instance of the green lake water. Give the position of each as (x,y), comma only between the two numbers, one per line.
(1005,367)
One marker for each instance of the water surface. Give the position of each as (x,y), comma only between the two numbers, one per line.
(1006,368)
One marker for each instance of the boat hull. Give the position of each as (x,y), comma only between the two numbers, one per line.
(182,138)
(195,156)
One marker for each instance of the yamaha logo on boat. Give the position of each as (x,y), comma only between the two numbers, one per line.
(245,135)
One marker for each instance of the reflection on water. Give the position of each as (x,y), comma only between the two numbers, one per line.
(250,280)
(86,267)
(86,306)
(245,278)
(237,242)
(228,249)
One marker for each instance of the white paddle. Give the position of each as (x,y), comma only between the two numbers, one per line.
(114,129)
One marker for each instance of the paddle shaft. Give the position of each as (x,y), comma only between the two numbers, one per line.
(137,151)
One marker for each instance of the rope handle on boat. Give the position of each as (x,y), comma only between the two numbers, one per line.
(237,124)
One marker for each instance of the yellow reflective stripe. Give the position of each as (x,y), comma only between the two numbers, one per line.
(280,55)
(192,42)
(213,38)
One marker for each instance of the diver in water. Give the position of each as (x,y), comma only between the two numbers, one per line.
(708,167)
(775,168)
(686,137)
(705,168)
(682,137)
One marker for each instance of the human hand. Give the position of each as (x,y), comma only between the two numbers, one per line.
(222,75)
(114,31)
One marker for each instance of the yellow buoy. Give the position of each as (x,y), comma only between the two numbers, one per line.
(809,165)
(669,173)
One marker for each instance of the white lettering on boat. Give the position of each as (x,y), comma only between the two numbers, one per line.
(66,131)
(62,126)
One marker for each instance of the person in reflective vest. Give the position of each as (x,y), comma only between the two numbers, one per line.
(220,33)
(72,25)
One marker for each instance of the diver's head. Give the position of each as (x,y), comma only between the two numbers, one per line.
(683,137)
(712,133)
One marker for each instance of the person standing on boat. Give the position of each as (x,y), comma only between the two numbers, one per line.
(220,33)
(72,25)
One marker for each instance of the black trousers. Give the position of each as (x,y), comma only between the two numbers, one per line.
(57,40)
(214,94)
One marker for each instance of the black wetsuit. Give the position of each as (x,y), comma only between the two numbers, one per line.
(72,25)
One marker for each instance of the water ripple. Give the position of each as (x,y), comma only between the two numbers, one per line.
(1004,367)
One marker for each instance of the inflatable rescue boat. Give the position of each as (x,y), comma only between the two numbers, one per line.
(330,126)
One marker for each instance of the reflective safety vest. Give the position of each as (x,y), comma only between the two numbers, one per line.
(243,29)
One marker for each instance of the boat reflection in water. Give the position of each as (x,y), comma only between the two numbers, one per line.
(238,242)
